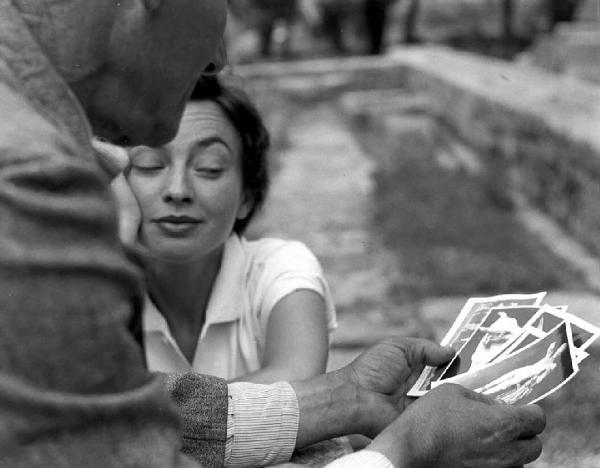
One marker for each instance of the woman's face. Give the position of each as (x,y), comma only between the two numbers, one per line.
(190,191)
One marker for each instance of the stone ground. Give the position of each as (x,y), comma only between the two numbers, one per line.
(321,194)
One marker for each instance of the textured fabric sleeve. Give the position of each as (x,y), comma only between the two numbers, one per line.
(73,387)
(362,459)
(262,424)
(288,268)
(202,404)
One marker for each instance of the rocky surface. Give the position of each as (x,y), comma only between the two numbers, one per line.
(322,194)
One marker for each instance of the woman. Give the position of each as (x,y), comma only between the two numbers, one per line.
(219,304)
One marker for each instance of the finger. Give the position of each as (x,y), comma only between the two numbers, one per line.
(525,451)
(436,355)
(532,420)
(128,210)
(112,159)
(520,422)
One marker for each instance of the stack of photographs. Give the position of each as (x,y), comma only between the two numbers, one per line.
(513,348)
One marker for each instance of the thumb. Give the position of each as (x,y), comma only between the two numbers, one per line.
(111,159)
(436,355)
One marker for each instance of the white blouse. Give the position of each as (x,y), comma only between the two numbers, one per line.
(254,276)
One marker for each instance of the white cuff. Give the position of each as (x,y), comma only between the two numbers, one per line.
(361,459)
(262,424)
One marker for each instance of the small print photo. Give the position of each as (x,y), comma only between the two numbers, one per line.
(476,310)
(529,375)
(548,318)
(502,326)
(472,314)
(466,323)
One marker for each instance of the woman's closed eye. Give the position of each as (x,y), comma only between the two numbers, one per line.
(209,171)
(147,161)
(211,161)
(147,166)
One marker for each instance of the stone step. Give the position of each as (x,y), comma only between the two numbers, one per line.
(398,100)
(583,60)
(573,49)
(589,11)
(582,28)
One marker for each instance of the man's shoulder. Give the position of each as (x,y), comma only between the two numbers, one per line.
(22,126)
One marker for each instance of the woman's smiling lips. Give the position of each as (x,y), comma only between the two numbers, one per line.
(177,224)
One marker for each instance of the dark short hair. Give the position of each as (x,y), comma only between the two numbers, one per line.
(244,116)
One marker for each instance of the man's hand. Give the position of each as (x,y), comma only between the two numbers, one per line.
(368,394)
(452,427)
(386,372)
(114,160)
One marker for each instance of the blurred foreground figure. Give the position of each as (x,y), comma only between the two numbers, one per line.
(73,388)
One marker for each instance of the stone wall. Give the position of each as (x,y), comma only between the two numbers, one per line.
(538,132)
(323,78)
(572,48)
(541,131)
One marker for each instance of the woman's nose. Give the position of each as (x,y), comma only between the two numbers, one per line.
(219,60)
(177,190)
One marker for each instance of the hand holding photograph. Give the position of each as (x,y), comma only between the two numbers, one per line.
(513,348)
(529,375)
(473,313)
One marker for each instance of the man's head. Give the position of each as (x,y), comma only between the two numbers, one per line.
(131,63)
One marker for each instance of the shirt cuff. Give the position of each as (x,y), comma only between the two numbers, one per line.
(262,424)
(361,459)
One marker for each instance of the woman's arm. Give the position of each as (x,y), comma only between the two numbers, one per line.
(297,341)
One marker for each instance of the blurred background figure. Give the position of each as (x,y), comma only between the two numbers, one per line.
(333,17)
(275,19)
(410,22)
(375,14)
(562,11)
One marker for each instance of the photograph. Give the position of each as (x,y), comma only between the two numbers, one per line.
(546,319)
(263,233)
(529,375)
(497,332)
(473,313)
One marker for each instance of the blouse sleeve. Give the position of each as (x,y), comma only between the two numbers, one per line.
(290,266)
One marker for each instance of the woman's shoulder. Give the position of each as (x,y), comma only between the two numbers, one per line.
(272,249)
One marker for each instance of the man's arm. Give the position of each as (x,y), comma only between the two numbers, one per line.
(449,427)
(202,403)
(367,395)
(453,427)
(73,388)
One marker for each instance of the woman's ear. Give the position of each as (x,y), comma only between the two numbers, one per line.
(245,206)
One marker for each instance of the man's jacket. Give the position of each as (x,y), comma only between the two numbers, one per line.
(74,391)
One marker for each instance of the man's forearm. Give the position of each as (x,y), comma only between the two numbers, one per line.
(330,406)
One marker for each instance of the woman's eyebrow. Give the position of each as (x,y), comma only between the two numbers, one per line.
(211,140)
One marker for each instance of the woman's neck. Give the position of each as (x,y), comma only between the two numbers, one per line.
(181,290)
